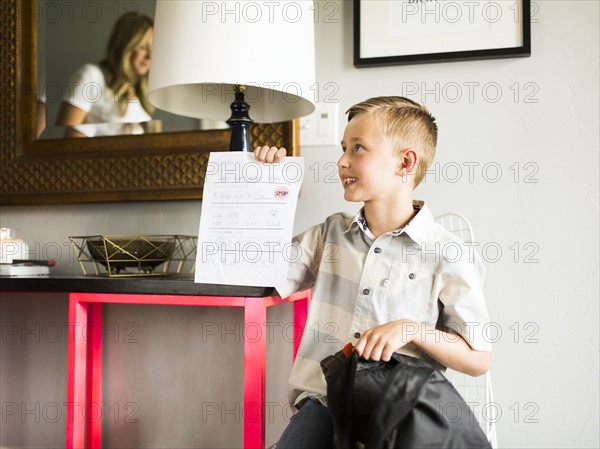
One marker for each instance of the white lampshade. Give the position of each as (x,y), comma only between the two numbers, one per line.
(202,49)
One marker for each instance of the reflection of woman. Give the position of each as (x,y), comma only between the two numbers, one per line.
(113,93)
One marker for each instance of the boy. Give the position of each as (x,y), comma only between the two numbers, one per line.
(389,279)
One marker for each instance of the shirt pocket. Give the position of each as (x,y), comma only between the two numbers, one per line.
(409,293)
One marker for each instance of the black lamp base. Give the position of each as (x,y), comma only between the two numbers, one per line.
(240,122)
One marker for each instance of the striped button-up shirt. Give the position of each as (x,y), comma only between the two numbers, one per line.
(420,272)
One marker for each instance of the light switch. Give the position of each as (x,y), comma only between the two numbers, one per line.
(320,127)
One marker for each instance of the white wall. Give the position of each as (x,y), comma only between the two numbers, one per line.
(545,368)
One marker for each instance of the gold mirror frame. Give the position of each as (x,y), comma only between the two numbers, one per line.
(163,166)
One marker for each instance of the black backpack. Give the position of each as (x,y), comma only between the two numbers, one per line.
(404,403)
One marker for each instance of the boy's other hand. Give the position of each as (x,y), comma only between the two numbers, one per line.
(269,154)
(379,343)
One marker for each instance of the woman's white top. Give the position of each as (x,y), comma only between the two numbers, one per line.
(88,92)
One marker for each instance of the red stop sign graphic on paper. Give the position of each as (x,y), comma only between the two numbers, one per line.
(281,193)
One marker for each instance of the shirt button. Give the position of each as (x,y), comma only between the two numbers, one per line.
(366,291)
(377,250)
(356,334)
(412,275)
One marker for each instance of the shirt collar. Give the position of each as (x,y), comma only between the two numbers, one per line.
(418,228)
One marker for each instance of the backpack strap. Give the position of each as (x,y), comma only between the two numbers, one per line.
(339,370)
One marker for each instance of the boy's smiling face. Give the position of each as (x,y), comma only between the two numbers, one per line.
(369,167)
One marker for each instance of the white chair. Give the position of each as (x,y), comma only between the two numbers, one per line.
(477,391)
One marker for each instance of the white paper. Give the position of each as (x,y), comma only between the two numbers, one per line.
(247,220)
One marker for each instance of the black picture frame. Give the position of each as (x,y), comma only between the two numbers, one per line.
(362,60)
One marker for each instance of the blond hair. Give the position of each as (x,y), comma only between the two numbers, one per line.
(405,124)
(127,34)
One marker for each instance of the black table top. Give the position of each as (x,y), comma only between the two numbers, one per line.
(159,285)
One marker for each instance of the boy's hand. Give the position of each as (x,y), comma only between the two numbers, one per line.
(379,343)
(269,154)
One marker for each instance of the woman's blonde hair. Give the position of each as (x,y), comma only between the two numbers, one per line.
(127,34)
(406,124)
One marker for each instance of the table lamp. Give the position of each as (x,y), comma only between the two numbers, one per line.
(213,60)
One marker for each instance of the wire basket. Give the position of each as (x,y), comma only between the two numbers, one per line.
(135,255)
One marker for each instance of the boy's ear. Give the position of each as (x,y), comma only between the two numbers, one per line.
(407,163)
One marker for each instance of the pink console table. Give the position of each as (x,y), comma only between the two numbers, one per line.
(86,296)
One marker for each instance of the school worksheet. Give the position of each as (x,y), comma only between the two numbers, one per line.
(247,220)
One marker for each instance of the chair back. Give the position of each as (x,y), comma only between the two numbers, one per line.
(476,391)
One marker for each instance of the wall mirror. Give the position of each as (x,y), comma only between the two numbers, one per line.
(50,169)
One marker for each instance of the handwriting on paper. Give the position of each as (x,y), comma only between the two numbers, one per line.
(247,220)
